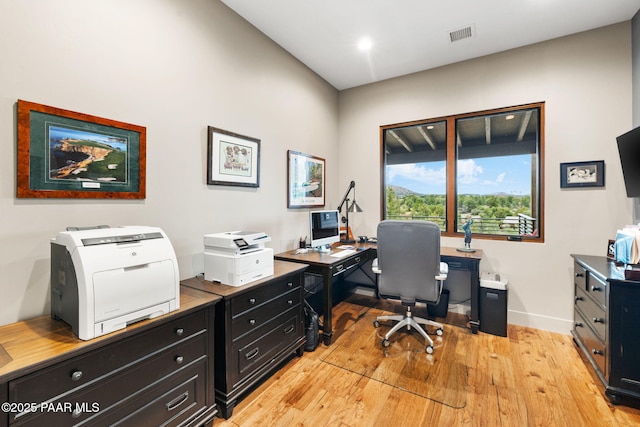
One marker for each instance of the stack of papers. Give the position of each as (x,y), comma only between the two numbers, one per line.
(627,246)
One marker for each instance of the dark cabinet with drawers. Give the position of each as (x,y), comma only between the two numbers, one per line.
(258,326)
(607,325)
(157,372)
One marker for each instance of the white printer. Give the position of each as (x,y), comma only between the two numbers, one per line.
(105,278)
(237,257)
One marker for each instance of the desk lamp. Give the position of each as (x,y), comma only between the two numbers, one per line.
(353,207)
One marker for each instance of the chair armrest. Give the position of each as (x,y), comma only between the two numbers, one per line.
(374,267)
(444,271)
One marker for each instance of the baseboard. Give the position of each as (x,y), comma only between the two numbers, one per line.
(546,323)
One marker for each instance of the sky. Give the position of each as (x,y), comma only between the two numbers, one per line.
(64,132)
(511,175)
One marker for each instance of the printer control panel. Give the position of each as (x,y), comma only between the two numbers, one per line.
(241,243)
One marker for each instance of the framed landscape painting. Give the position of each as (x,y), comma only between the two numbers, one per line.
(64,154)
(305,180)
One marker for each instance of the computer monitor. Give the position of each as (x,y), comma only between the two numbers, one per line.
(324,229)
(629,150)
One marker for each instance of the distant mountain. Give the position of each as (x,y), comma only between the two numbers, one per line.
(402,192)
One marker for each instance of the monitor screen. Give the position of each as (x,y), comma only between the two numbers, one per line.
(629,149)
(324,227)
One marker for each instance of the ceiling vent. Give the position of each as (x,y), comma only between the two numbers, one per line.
(461,34)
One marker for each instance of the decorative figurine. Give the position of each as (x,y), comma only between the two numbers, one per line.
(467,237)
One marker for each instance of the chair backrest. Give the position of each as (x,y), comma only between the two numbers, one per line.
(409,257)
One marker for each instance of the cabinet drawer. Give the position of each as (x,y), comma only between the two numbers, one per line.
(594,346)
(580,276)
(593,314)
(270,340)
(63,377)
(597,289)
(178,399)
(120,387)
(347,264)
(457,263)
(253,319)
(261,295)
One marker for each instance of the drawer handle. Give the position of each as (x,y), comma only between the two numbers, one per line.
(252,322)
(290,302)
(577,298)
(76,412)
(76,375)
(179,332)
(579,274)
(596,289)
(179,360)
(597,352)
(290,284)
(340,267)
(253,353)
(357,259)
(177,401)
(290,329)
(598,320)
(578,325)
(252,300)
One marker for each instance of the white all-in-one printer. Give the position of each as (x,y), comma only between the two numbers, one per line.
(105,278)
(237,257)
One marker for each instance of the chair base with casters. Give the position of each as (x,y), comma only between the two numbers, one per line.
(409,321)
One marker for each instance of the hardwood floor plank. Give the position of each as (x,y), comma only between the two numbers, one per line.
(530,378)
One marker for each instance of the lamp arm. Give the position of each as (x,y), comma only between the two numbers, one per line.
(346,195)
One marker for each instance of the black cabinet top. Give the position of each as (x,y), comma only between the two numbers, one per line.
(603,267)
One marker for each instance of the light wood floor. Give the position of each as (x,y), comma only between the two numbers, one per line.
(530,378)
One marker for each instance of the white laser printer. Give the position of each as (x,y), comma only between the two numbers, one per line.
(105,278)
(237,257)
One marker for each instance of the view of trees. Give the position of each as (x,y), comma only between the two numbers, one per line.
(490,209)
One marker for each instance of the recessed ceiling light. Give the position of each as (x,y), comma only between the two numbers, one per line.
(365,44)
(509,117)
(430,127)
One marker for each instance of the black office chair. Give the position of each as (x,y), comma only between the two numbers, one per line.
(409,270)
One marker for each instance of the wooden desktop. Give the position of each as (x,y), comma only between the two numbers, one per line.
(328,266)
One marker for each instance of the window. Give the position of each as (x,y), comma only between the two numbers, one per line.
(484,168)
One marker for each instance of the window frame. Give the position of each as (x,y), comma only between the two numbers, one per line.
(451,170)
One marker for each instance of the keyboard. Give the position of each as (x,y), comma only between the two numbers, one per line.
(343,253)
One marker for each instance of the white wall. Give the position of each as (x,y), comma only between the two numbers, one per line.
(585,80)
(175,67)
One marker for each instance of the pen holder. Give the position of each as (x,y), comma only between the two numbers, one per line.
(302,243)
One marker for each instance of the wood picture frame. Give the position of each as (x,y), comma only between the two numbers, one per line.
(305,180)
(232,159)
(65,154)
(582,174)
(611,249)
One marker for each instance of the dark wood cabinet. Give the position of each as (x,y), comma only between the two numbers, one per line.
(156,372)
(258,326)
(606,325)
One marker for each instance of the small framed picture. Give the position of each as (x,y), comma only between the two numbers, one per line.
(611,249)
(582,174)
(232,159)
(305,180)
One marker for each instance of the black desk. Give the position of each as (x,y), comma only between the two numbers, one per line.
(328,266)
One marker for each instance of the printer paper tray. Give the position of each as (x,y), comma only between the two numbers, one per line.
(126,290)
